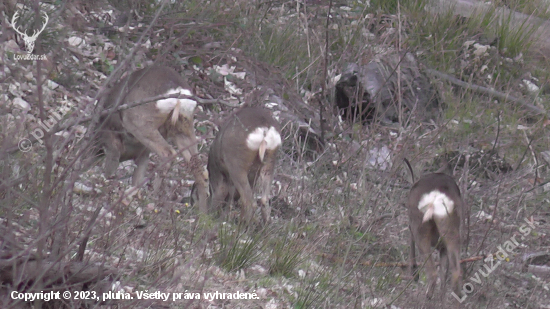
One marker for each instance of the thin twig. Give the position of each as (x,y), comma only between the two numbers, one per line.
(324,81)
(64,126)
(524,154)
(530,147)
(498,132)
(491,92)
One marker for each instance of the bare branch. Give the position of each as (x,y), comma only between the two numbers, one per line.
(487,91)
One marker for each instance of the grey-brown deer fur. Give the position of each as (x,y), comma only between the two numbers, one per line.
(435,205)
(132,133)
(242,157)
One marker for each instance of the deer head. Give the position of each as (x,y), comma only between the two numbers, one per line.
(242,157)
(133,133)
(29,40)
(434,205)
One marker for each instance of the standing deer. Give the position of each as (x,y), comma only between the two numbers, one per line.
(243,155)
(133,133)
(435,204)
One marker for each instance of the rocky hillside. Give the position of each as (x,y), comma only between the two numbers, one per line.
(435,87)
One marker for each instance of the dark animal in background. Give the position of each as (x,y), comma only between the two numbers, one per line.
(435,205)
(352,102)
(376,85)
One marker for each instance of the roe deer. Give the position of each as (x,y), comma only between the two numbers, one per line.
(132,133)
(435,204)
(242,155)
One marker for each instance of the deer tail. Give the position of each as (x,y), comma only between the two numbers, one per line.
(428,215)
(176,112)
(261,150)
(410,168)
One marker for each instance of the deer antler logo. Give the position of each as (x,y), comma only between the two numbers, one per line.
(29,40)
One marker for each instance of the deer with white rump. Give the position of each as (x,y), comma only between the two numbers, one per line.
(131,134)
(242,156)
(435,205)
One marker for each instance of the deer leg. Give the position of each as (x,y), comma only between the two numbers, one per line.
(443,267)
(232,199)
(450,229)
(151,138)
(220,194)
(185,138)
(456,271)
(412,257)
(187,143)
(424,241)
(113,148)
(240,181)
(265,180)
(139,173)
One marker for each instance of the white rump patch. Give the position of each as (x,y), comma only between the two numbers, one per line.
(436,204)
(187,106)
(270,135)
